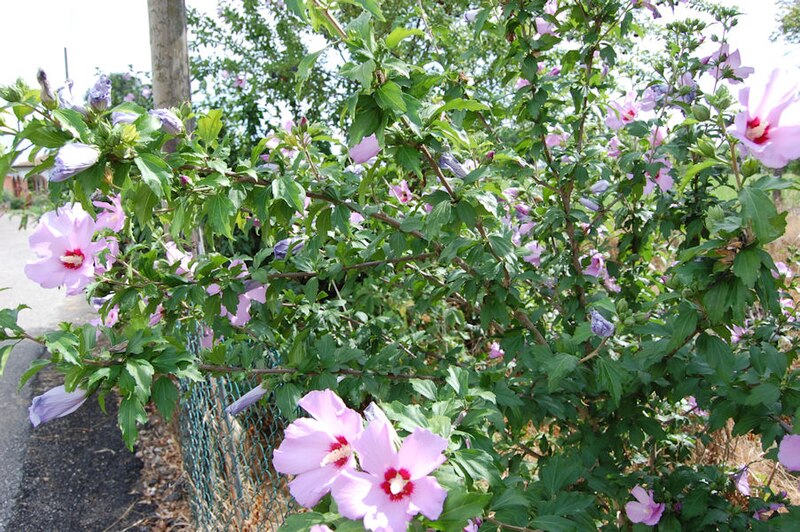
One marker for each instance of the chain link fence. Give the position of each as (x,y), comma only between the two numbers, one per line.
(228,460)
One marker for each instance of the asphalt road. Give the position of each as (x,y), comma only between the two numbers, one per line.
(48,307)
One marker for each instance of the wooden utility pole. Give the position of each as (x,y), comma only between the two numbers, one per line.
(169,52)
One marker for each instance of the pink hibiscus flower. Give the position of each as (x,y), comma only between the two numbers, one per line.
(365,150)
(401,192)
(645,510)
(319,449)
(65,253)
(770,125)
(395,485)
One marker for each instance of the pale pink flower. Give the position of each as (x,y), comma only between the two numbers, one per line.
(555,139)
(319,449)
(395,485)
(365,150)
(521,82)
(551,7)
(782,271)
(320,528)
(177,256)
(111,318)
(742,481)
(401,192)
(112,215)
(789,452)
(356,218)
(255,292)
(108,250)
(613,148)
(597,266)
(645,510)
(770,125)
(737,333)
(726,62)
(534,256)
(621,113)
(694,408)
(65,253)
(495,351)
(157,315)
(657,134)
(544,27)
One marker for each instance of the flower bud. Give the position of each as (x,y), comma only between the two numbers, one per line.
(600,326)
(100,94)
(170,123)
(49,100)
(72,159)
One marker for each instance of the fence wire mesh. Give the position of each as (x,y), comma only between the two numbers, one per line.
(228,459)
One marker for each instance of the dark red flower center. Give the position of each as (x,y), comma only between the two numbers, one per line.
(756,131)
(397,484)
(339,453)
(73,259)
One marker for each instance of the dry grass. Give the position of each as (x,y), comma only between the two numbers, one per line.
(737,451)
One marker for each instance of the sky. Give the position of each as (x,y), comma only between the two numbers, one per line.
(109,35)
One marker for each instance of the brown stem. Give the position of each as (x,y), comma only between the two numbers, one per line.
(506,526)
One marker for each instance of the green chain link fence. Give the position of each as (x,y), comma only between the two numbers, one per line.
(228,460)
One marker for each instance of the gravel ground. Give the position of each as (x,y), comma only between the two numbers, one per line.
(77,473)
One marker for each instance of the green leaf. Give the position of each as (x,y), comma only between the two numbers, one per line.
(458,379)
(165,396)
(558,472)
(5,351)
(131,412)
(63,344)
(439,216)
(694,170)
(611,376)
(373,7)
(220,210)
(760,211)
(747,266)
(477,464)
(72,121)
(36,366)
(558,367)
(302,522)
(398,34)
(461,506)
(410,159)
(765,393)
(209,126)
(289,191)
(554,523)
(155,173)
(426,389)
(304,69)
(684,325)
(142,373)
(390,97)
(717,354)
(461,104)
(362,72)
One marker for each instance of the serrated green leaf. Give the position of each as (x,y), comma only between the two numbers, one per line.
(461,506)
(155,173)
(760,211)
(165,396)
(390,97)
(747,266)
(209,126)
(220,211)
(131,412)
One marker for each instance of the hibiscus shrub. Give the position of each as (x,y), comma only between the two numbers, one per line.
(542,263)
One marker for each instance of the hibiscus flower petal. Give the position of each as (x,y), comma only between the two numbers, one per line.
(421,452)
